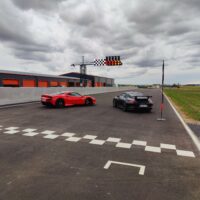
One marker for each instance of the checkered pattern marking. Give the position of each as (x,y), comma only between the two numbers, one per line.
(99,62)
(12,130)
(30,132)
(92,139)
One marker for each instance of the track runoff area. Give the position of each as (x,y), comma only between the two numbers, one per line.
(96,152)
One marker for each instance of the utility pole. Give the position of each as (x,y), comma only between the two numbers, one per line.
(82,72)
(162,97)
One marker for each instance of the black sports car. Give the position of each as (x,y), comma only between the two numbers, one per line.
(133,101)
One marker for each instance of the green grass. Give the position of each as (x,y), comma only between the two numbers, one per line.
(187,99)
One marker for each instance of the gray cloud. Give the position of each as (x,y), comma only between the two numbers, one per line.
(15,32)
(33,56)
(37,4)
(58,32)
(148,63)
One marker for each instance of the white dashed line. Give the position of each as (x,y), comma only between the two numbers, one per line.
(51,136)
(90,137)
(29,130)
(11,132)
(185,153)
(139,143)
(30,134)
(168,146)
(98,142)
(153,149)
(48,132)
(11,128)
(123,145)
(68,134)
(73,139)
(112,139)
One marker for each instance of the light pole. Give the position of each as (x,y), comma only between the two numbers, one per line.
(162,97)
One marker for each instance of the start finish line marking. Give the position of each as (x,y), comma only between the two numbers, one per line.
(93,139)
(141,171)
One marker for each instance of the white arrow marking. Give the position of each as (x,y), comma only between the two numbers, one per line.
(142,167)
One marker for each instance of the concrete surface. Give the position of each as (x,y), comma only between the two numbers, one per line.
(22,95)
(196,129)
(48,153)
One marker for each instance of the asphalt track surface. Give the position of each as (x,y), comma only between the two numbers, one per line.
(68,163)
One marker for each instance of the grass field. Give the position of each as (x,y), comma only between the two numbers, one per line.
(187,99)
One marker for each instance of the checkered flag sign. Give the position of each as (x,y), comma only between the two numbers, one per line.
(99,62)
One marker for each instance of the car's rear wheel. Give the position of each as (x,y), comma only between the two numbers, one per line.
(124,108)
(149,110)
(60,103)
(88,102)
(114,103)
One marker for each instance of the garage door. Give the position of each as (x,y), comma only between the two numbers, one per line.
(28,83)
(42,84)
(53,83)
(10,83)
(63,84)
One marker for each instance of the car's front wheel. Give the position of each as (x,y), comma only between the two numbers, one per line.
(60,103)
(88,102)
(124,108)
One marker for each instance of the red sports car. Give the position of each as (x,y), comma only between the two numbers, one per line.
(67,98)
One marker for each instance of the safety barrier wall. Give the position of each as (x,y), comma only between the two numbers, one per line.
(23,95)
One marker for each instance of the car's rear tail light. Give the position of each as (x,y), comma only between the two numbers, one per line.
(46,97)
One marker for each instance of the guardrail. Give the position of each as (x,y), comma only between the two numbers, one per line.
(24,95)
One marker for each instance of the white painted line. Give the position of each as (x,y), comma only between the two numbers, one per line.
(51,136)
(153,149)
(185,153)
(112,139)
(73,139)
(168,146)
(90,137)
(141,171)
(30,134)
(98,142)
(11,132)
(123,145)
(187,128)
(48,132)
(68,134)
(11,128)
(29,130)
(140,143)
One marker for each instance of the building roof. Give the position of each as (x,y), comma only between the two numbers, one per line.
(35,74)
(89,75)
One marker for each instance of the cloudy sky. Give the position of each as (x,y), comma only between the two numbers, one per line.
(47,36)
